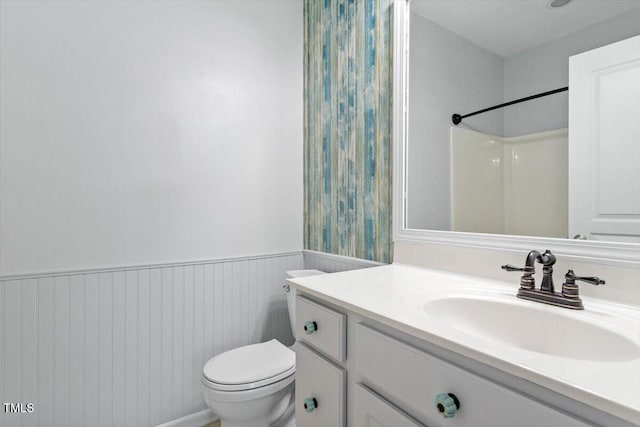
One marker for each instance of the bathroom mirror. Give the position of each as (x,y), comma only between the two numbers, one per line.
(560,165)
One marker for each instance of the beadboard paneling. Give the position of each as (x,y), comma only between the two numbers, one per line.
(331,263)
(127,347)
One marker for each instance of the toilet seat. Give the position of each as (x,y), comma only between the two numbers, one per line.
(252,385)
(245,395)
(249,367)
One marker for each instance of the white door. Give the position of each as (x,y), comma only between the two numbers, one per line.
(604,142)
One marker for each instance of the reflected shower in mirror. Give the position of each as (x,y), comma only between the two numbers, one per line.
(564,164)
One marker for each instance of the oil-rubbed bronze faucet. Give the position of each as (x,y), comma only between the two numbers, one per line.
(568,298)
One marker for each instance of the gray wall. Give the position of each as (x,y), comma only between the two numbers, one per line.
(546,67)
(447,74)
(137,132)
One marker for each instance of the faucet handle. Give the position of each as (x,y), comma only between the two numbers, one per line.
(570,290)
(591,280)
(526,281)
(570,279)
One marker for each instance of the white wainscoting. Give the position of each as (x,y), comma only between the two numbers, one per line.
(332,263)
(126,347)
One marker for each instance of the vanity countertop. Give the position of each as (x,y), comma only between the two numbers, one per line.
(395,295)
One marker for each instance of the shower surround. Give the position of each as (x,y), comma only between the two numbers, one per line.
(509,185)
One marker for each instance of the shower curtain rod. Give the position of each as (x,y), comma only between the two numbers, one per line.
(457,118)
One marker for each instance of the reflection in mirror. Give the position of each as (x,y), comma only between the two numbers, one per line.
(562,165)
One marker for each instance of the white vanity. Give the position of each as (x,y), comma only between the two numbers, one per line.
(383,343)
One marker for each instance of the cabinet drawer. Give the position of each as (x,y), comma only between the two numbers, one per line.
(411,378)
(373,411)
(328,328)
(319,379)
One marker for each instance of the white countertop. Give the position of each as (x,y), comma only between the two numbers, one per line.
(395,294)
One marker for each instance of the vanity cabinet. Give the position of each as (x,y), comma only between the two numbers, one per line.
(320,380)
(357,375)
(412,379)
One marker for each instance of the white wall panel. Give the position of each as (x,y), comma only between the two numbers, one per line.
(91,371)
(143,364)
(12,358)
(76,360)
(61,368)
(2,340)
(44,347)
(118,348)
(132,373)
(29,341)
(127,347)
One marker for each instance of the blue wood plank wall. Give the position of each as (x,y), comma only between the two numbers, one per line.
(347,136)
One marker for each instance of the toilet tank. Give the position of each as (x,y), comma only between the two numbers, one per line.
(291,293)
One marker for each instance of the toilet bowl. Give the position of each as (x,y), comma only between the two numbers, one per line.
(253,385)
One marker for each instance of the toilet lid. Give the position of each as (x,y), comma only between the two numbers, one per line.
(254,364)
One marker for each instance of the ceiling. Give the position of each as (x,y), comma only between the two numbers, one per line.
(506,27)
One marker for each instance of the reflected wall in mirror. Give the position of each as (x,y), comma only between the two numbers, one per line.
(564,165)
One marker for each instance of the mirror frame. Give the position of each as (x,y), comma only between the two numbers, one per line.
(610,253)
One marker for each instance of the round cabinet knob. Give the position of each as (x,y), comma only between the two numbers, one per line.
(447,404)
(310,327)
(310,404)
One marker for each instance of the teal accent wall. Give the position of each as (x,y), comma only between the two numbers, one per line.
(347,133)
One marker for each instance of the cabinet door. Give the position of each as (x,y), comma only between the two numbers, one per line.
(373,411)
(604,142)
(329,332)
(323,383)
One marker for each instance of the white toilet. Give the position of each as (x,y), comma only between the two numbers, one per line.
(253,386)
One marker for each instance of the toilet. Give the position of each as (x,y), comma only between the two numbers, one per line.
(253,386)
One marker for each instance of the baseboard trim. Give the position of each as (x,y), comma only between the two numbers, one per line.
(198,419)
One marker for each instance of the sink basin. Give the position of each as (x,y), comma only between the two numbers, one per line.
(543,329)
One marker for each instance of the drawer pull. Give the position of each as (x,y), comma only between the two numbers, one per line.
(310,327)
(310,404)
(447,404)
